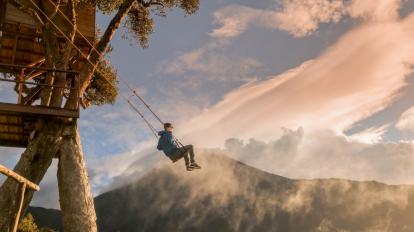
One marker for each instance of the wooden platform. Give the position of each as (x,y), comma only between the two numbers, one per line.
(18,121)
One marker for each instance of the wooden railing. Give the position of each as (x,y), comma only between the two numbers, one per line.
(24,75)
(25,184)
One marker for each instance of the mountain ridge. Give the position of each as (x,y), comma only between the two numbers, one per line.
(228,195)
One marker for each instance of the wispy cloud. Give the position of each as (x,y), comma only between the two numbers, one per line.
(406,121)
(301,17)
(359,75)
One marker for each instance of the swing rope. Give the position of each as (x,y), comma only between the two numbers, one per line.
(150,126)
(150,109)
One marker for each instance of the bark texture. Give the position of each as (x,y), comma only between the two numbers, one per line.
(33,165)
(76,200)
(59,137)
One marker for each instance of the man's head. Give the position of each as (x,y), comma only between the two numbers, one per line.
(168,127)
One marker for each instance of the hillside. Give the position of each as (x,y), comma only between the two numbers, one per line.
(227,195)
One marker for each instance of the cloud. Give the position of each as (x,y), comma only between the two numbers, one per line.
(253,199)
(371,135)
(375,11)
(197,79)
(48,196)
(326,155)
(406,121)
(301,17)
(212,63)
(358,76)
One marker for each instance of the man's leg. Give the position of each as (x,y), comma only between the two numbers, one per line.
(190,151)
(186,158)
(182,153)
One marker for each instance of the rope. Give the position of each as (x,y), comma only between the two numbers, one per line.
(143,101)
(76,28)
(152,128)
(67,37)
(150,109)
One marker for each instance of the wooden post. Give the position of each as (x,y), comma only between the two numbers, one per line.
(25,183)
(16,221)
(18,178)
(21,79)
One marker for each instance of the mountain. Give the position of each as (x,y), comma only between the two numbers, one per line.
(50,218)
(227,195)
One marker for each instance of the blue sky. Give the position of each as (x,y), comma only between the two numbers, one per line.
(304,78)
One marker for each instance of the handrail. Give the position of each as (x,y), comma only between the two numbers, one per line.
(25,184)
(39,84)
(37,68)
(21,80)
(18,178)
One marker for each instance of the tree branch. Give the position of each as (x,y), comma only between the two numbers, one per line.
(152,3)
(89,69)
(68,49)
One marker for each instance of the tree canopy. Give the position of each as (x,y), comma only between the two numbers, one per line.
(139,24)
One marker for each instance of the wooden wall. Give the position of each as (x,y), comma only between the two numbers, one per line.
(21,39)
(85,18)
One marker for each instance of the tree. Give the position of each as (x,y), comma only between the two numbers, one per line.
(59,138)
(28,225)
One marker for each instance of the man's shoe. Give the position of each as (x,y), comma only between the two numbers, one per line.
(189,168)
(194,165)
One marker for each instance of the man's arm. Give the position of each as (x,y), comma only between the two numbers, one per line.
(171,140)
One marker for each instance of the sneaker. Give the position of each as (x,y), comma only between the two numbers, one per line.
(189,168)
(194,165)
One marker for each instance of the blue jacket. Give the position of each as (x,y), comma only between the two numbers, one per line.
(166,143)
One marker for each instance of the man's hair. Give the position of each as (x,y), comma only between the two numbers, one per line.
(167,124)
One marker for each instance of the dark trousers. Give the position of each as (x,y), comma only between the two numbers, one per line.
(186,152)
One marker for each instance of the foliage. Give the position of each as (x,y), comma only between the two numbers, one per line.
(102,89)
(27,224)
(140,22)
(140,25)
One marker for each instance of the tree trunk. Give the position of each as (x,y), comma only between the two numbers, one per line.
(76,200)
(33,165)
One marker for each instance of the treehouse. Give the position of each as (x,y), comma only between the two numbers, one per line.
(22,63)
(21,39)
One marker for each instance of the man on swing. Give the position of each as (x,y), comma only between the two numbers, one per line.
(173,150)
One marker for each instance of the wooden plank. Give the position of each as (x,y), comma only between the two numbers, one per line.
(18,178)
(14,109)
(2,11)
(15,15)
(8,143)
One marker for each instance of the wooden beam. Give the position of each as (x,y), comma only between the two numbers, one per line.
(13,143)
(2,12)
(18,178)
(11,133)
(11,124)
(15,109)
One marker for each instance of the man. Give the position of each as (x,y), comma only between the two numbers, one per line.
(169,146)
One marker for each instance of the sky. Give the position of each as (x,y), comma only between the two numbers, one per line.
(301,88)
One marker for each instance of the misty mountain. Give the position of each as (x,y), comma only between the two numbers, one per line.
(227,195)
